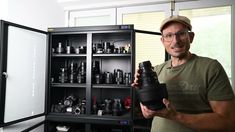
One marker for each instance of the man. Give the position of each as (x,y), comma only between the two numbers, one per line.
(200,97)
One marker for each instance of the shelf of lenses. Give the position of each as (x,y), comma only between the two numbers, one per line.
(114,107)
(73,75)
(69,51)
(117,108)
(107,49)
(115,79)
(73,72)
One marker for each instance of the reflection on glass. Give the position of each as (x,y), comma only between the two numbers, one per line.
(148,47)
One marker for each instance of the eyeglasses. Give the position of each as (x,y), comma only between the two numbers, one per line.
(181,34)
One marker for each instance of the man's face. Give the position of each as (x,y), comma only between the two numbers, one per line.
(176,40)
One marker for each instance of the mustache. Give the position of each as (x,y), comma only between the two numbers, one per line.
(177,45)
(180,45)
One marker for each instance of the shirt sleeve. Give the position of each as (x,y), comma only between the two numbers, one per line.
(219,87)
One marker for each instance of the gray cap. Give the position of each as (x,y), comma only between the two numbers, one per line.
(181,19)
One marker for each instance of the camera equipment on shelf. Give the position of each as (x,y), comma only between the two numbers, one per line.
(94,105)
(98,79)
(108,78)
(112,107)
(59,49)
(117,107)
(73,105)
(69,49)
(118,74)
(70,104)
(70,101)
(117,77)
(58,108)
(108,106)
(127,78)
(127,103)
(63,77)
(72,72)
(60,128)
(81,77)
(80,50)
(108,48)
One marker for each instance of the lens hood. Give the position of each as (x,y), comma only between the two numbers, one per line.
(152,98)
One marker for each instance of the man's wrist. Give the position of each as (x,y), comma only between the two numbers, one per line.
(177,116)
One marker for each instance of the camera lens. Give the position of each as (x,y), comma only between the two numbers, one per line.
(151,92)
(77,110)
(108,78)
(60,49)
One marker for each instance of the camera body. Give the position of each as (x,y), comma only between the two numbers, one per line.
(151,92)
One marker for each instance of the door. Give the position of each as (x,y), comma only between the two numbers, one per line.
(147,44)
(23,64)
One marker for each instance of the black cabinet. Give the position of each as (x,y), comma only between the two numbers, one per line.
(85,73)
(90,71)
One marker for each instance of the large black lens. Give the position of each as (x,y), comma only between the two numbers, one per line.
(151,92)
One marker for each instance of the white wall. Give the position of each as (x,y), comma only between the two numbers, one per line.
(39,14)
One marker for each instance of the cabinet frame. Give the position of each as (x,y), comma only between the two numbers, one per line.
(88,117)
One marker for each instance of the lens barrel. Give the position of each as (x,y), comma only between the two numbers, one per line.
(151,92)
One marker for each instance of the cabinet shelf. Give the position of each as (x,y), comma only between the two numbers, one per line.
(105,119)
(68,55)
(108,86)
(68,85)
(139,127)
(120,86)
(112,55)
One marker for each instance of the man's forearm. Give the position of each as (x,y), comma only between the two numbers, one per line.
(205,122)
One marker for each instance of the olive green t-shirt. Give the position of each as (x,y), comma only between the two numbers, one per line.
(190,87)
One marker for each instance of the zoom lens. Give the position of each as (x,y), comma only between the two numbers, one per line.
(151,92)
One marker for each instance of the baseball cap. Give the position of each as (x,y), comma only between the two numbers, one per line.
(177,18)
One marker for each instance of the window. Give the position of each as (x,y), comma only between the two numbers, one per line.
(149,18)
(93,17)
(148,47)
(212,27)
(211,19)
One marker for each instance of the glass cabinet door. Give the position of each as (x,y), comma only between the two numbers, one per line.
(24,73)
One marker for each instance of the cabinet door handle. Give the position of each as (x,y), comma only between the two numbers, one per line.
(5,74)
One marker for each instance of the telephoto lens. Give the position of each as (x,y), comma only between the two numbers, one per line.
(151,92)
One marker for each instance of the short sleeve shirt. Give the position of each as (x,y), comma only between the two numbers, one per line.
(190,87)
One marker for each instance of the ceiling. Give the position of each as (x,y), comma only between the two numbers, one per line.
(94,4)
